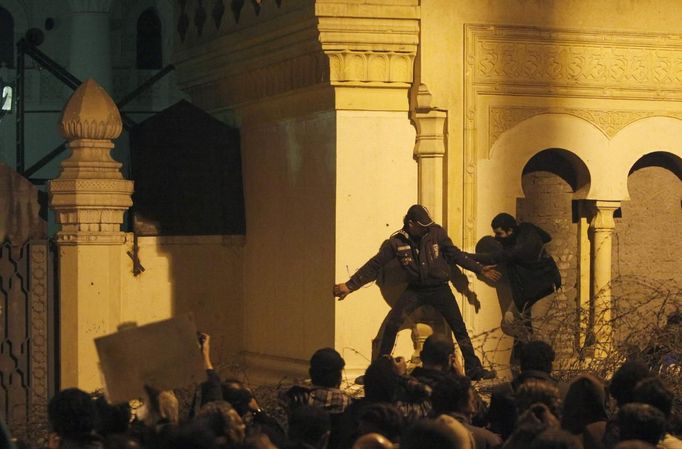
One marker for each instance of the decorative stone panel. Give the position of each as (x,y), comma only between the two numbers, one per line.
(510,61)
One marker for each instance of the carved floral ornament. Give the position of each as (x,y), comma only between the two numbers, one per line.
(90,114)
(583,63)
(196,12)
(547,63)
(610,122)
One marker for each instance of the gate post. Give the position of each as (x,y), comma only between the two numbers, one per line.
(89,197)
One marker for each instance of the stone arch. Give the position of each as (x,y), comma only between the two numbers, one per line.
(19,15)
(652,140)
(14,12)
(21,216)
(564,164)
(645,269)
(565,151)
(148,40)
(164,11)
(579,142)
(576,144)
(6,38)
(662,159)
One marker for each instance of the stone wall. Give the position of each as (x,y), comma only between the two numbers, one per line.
(646,250)
(547,203)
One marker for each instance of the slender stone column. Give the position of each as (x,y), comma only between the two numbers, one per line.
(90,46)
(602,226)
(429,152)
(89,197)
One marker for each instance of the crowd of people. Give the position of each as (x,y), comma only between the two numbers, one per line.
(436,405)
(433,406)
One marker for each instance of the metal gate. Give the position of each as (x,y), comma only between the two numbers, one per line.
(28,335)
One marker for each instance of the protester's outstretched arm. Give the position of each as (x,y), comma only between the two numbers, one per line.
(211,389)
(367,273)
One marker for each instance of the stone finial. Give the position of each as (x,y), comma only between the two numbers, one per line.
(90,195)
(90,113)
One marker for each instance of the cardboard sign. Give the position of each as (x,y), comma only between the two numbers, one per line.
(163,355)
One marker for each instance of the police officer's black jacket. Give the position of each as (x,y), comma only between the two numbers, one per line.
(426,261)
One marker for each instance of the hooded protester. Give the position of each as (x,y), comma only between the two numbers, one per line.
(532,272)
(586,410)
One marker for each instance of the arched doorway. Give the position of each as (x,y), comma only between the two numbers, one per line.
(552,181)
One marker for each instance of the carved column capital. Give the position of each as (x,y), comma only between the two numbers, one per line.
(603,227)
(429,151)
(90,195)
(430,124)
(603,215)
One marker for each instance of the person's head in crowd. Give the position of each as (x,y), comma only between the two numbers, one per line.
(160,407)
(71,416)
(454,394)
(675,419)
(326,367)
(654,392)
(585,403)
(539,414)
(381,380)
(537,355)
(195,434)
(373,441)
(531,423)
(504,226)
(430,434)
(464,437)
(121,441)
(625,379)
(634,444)
(239,396)
(111,418)
(258,440)
(437,353)
(223,421)
(556,439)
(641,422)
(310,425)
(534,391)
(381,418)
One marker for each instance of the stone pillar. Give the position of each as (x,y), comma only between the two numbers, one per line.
(602,226)
(89,197)
(90,45)
(327,122)
(429,152)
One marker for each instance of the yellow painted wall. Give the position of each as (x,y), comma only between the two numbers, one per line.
(520,76)
(200,275)
(289,188)
(376,182)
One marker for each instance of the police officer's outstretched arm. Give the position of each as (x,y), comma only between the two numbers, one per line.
(455,255)
(367,273)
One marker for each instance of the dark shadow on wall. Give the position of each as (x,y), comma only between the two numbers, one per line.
(189,192)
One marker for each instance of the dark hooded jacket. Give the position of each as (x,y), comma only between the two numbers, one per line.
(533,274)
